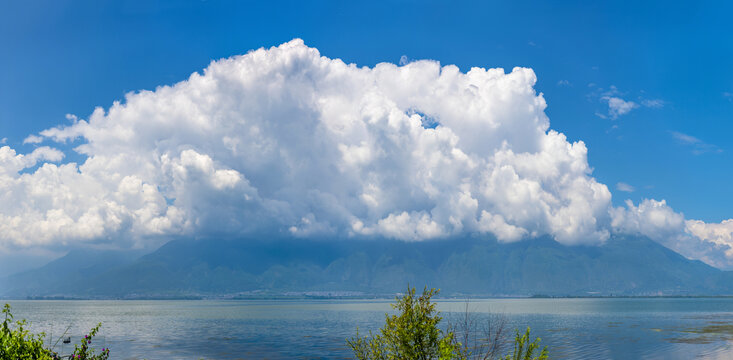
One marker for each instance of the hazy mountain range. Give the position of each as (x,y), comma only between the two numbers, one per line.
(291,267)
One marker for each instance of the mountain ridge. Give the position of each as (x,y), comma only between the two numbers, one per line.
(625,266)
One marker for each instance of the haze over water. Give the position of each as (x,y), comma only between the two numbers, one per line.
(620,328)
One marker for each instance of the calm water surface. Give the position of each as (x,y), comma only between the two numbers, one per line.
(573,328)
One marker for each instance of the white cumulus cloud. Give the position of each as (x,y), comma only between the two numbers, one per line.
(650,218)
(618,106)
(285,140)
(719,234)
(12,163)
(289,140)
(695,239)
(33,139)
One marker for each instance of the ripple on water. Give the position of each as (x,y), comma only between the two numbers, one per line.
(573,328)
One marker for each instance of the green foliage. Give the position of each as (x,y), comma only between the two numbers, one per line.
(411,334)
(18,343)
(524,350)
(84,352)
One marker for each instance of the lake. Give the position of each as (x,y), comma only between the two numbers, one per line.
(603,328)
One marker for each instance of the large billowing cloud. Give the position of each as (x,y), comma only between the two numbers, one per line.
(711,243)
(287,141)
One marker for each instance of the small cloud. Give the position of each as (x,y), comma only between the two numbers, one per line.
(594,67)
(564,83)
(728,95)
(612,97)
(653,103)
(531,43)
(685,139)
(706,148)
(602,116)
(4,140)
(404,60)
(618,106)
(33,139)
(622,186)
(698,146)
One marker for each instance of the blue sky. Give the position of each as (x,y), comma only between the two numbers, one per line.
(64,57)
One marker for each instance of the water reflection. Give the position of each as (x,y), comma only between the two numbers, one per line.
(573,328)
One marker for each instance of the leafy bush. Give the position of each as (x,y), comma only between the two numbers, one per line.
(84,352)
(18,343)
(526,353)
(413,334)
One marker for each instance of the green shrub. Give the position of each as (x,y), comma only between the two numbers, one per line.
(524,350)
(18,343)
(84,352)
(412,334)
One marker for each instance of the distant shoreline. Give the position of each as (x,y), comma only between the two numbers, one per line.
(386,297)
